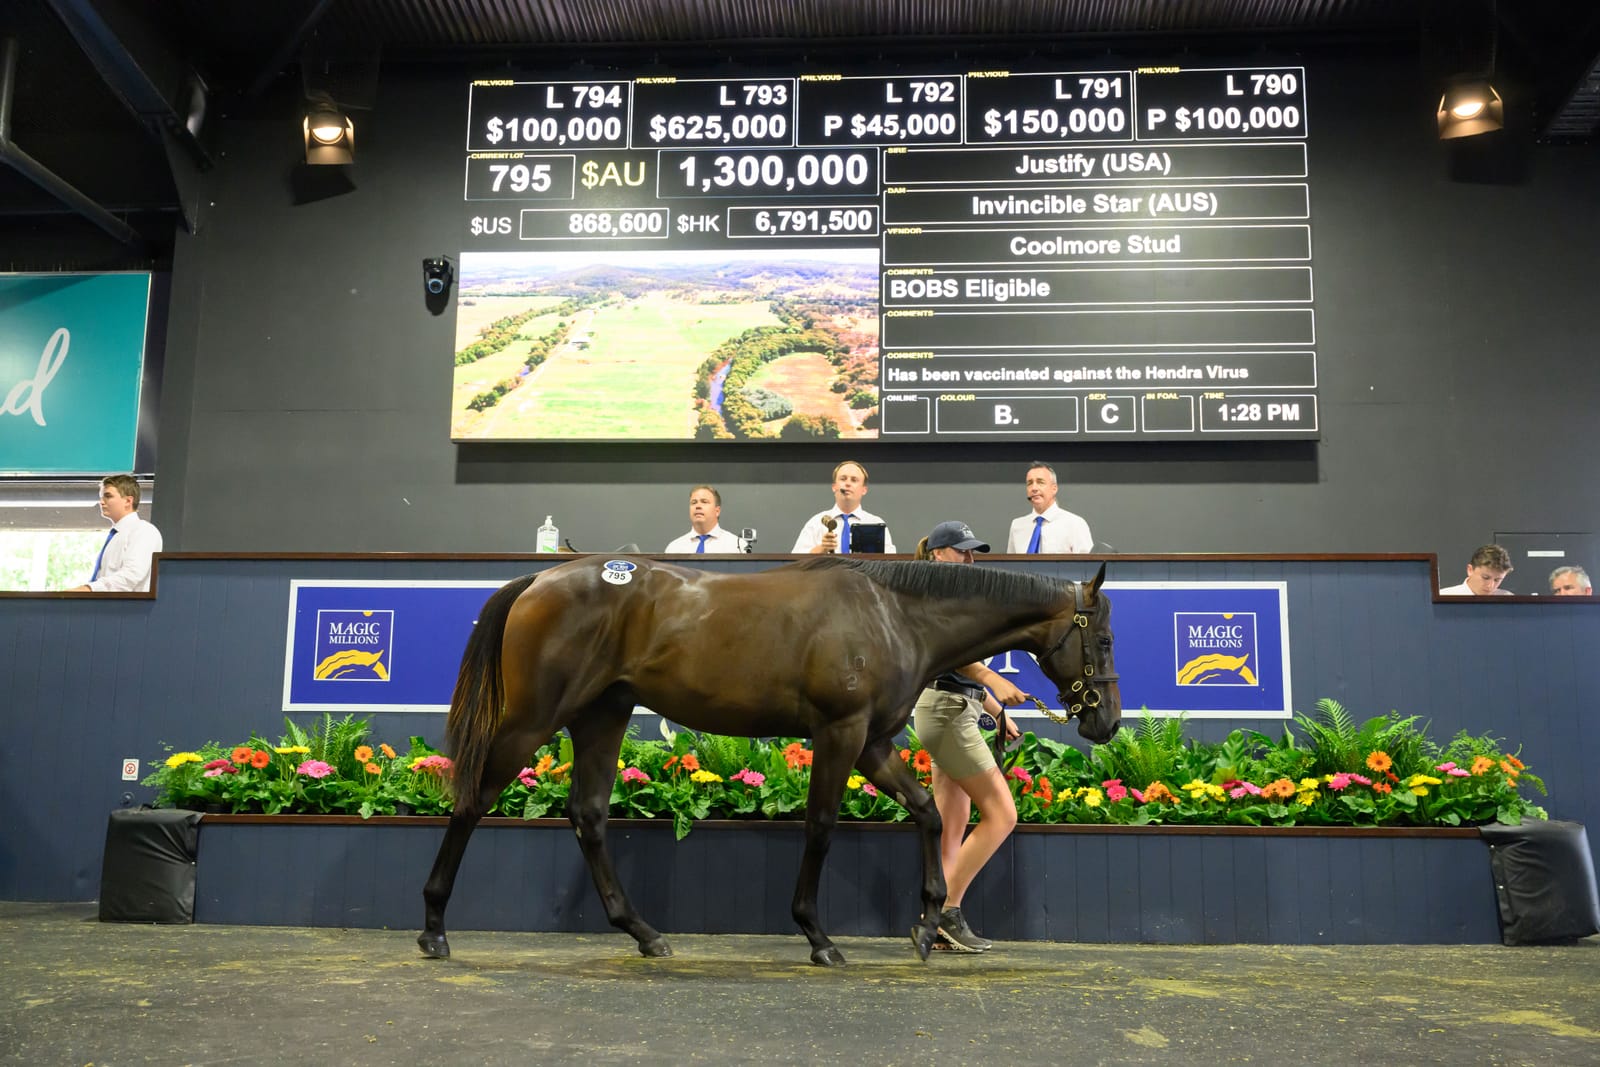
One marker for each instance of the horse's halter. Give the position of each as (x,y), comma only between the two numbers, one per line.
(1084,692)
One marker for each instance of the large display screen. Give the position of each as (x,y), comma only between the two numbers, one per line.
(1100,254)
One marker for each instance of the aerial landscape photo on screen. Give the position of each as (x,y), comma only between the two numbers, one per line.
(666,346)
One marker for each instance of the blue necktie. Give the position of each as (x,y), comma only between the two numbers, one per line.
(844,533)
(1038,529)
(701,547)
(101,557)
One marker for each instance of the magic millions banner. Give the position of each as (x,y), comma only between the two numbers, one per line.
(71,366)
(1203,649)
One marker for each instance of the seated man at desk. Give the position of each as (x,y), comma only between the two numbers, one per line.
(1570,581)
(1485,571)
(705,533)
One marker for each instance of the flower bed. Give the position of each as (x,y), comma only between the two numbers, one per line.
(1384,772)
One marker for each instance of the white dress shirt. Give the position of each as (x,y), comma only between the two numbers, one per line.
(719,540)
(1465,590)
(811,533)
(1062,534)
(125,567)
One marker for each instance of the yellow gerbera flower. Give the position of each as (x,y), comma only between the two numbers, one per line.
(1093,797)
(705,776)
(855,782)
(178,759)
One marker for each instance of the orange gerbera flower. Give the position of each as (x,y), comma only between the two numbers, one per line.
(259,758)
(1482,765)
(905,755)
(363,753)
(796,755)
(1515,762)
(1511,772)
(544,764)
(1382,787)
(373,768)
(922,761)
(387,751)
(557,772)
(241,754)
(1043,791)
(689,762)
(1158,791)
(1379,761)
(1282,789)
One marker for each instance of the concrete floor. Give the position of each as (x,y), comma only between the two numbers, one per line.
(77,991)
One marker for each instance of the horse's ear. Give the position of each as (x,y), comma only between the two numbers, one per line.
(1093,589)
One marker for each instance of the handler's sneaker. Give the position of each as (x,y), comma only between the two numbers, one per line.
(954,931)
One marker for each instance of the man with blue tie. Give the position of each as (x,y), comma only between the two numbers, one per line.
(123,565)
(1048,529)
(849,486)
(705,535)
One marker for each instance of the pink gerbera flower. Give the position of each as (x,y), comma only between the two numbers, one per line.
(314,768)
(634,774)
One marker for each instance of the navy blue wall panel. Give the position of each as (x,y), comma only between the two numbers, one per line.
(721,880)
(88,682)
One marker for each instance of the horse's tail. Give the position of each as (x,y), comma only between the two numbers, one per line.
(478,703)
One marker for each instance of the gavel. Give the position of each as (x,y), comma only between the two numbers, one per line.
(830,523)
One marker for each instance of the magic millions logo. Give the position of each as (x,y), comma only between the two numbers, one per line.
(1215,648)
(354,646)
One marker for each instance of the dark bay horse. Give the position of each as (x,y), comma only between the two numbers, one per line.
(833,648)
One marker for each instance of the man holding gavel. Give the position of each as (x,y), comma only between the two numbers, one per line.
(829,531)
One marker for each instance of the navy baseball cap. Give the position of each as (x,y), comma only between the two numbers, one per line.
(957,535)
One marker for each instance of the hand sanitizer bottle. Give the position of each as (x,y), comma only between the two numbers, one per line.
(549,538)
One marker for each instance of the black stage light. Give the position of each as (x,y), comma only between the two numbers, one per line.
(330,136)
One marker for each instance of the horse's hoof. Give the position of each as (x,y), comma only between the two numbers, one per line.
(434,946)
(922,939)
(655,949)
(827,956)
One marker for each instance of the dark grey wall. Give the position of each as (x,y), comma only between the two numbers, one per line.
(306,395)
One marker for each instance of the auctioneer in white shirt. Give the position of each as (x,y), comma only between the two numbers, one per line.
(1063,533)
(811,533)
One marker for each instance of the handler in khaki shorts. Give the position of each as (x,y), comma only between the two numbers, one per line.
(964,773)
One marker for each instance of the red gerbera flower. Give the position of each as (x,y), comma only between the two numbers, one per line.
(922,761)
(259,758)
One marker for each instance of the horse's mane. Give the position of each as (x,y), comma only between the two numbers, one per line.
(926,578)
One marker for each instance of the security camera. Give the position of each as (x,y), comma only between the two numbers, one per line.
(437,275)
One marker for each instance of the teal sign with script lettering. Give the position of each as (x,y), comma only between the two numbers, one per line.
(71,363)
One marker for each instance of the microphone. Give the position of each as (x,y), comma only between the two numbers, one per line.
(748,536)
(829,522)
(569,544)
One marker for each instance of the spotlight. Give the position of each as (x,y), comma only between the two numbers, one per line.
(1470,106)
(437,275)
(329,135)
